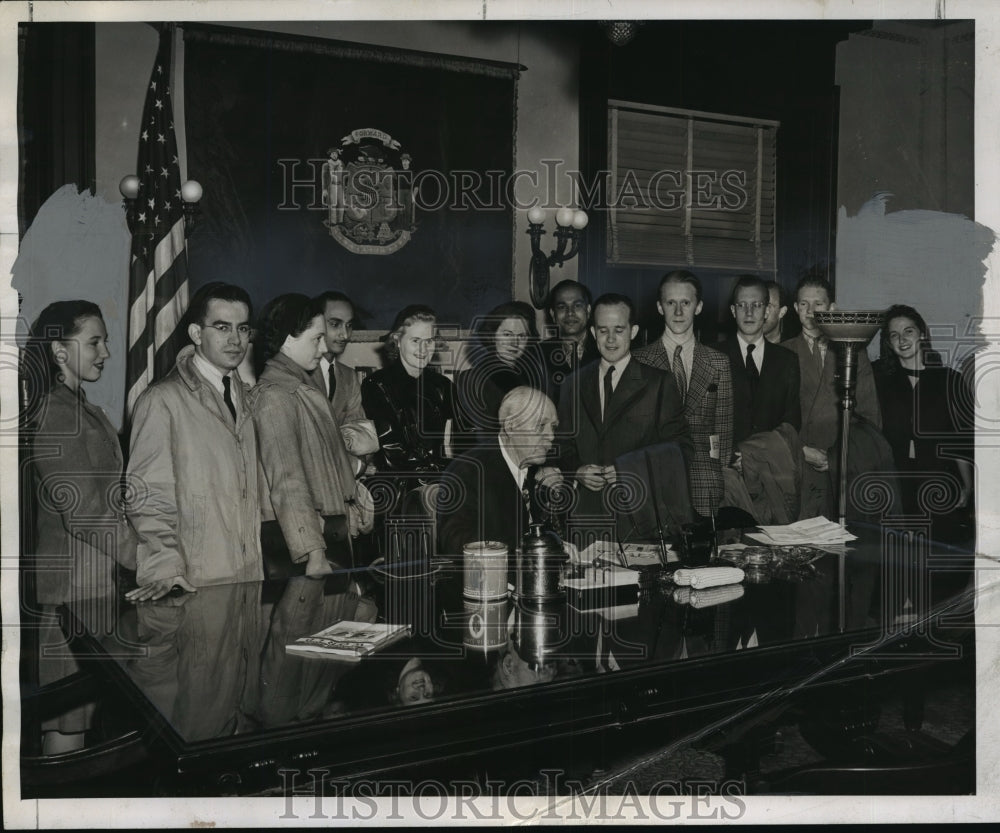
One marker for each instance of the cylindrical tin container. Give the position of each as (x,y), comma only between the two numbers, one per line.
(486,624)
(541,562)
(485,576)
(540,631)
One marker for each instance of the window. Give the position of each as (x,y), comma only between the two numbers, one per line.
(690,189)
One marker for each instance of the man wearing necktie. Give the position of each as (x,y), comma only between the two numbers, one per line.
(704,383)
(765,375)
(494,490)
(339,383)
(820,402)
(194,450)
(573,346)
(615,406)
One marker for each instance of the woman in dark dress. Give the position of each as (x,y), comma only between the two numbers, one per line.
(80,528)
(410,404)
(503,354)
(925,417)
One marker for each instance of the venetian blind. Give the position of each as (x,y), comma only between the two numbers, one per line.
(690,188)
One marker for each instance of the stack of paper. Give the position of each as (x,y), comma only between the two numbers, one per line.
(636,555)
(817,532)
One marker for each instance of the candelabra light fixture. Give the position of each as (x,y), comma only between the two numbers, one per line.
(569,224)
(191,193)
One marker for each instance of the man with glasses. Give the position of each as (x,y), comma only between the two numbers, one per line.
(765,375)
(193,459)
(573,346)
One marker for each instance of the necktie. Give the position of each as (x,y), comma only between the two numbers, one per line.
(227,396)
(332,379)
(679,373)
(818,353)
(752,370)
(608,390)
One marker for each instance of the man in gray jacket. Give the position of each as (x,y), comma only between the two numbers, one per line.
(194,458)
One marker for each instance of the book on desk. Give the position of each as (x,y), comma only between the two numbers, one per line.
(350,641)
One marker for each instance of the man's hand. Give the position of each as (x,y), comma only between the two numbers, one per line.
(592,477)
(158,589)
(816,458)
(548,476)
(610,474)
(317,565)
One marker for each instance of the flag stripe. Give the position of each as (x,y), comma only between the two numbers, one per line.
(158,289)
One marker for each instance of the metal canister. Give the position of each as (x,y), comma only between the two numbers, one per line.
(485,573)
(541,563)
(486,624)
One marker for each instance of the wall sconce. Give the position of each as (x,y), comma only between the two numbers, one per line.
(191,193)
(569,224)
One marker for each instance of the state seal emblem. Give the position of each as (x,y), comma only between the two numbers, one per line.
(368,193)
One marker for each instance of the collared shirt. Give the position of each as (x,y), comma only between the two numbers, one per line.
(616,377)
(210,372)
(812,341)
(516,471)
(686,342)
(758,350)
(324,367)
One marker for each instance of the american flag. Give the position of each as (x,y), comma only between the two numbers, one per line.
(158,287)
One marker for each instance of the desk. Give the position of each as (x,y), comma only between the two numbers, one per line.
(227,711)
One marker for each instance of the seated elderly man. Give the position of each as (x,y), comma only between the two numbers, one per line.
(491,493)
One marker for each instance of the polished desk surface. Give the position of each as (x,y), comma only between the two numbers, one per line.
(212,665)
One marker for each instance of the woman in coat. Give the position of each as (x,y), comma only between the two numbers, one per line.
(410,405)
(503,355)
(310,488)
(80,527)
(926,415)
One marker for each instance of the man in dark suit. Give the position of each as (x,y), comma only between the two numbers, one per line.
(493,491)
(704,383)
(339,383)
(614,406)
(765,375)
(573,346)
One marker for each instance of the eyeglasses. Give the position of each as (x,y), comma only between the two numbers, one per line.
(243,330)
(746,306)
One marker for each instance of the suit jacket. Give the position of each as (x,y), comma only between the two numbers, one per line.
(346,403)
(708,408)
(819,399)
(479,501)
(645,410)
(777,397)
(560,362)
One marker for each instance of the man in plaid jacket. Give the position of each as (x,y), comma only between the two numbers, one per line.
(704,382)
